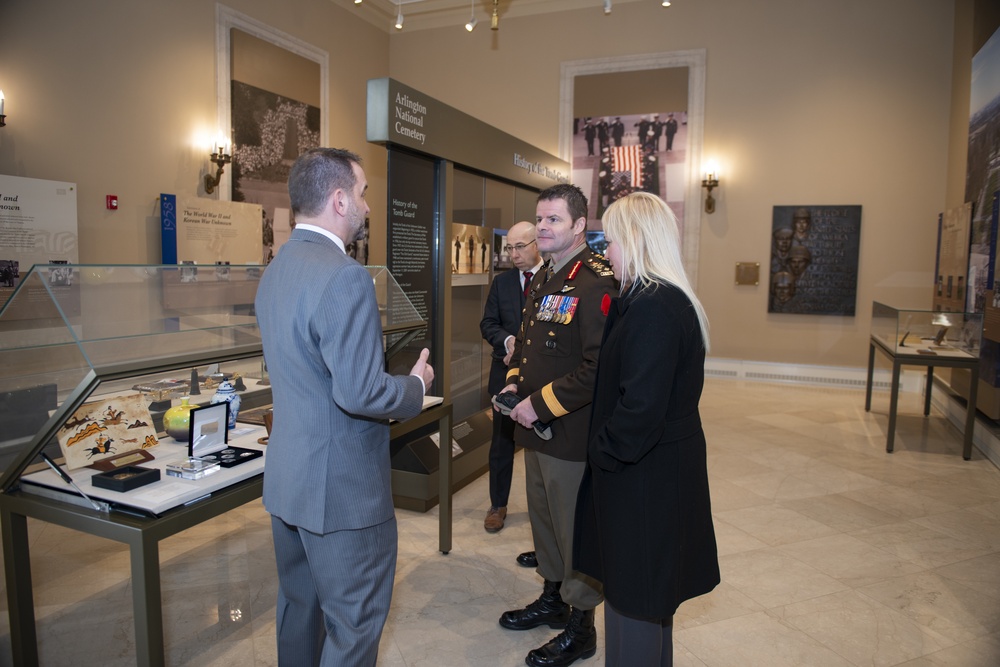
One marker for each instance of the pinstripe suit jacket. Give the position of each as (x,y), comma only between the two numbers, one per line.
(328,456)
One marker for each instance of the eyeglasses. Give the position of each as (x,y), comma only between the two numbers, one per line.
(519,247)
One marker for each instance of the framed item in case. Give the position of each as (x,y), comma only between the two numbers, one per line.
(209,438)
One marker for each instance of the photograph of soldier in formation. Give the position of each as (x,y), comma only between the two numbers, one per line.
(616,155)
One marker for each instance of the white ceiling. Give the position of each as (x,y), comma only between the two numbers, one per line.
(424,14)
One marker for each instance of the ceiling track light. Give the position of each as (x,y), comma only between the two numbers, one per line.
(471,25)
(607,6)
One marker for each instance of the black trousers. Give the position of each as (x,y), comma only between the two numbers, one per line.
(501,459)
(630,641)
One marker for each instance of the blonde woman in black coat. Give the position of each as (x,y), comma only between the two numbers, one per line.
(644,519)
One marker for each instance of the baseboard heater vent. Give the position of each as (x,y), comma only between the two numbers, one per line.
(818,376)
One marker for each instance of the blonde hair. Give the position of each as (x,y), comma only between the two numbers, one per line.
(645,229)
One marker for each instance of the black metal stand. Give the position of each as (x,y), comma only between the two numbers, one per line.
(930,361)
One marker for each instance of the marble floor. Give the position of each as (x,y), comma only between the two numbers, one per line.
(833,553)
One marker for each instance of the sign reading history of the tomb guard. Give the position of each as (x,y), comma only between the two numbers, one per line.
(206,231)
(411,242)
(400,115)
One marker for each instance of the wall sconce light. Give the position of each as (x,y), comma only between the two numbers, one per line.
(710,181)
(3,119)
(221,156)
(495,18)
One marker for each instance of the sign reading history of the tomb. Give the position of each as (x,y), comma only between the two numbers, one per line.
(814,260)
(411,242)
(206,231)
(37,226)
(398,114)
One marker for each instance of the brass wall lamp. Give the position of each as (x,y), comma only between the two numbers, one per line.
(221,156)
(710,181)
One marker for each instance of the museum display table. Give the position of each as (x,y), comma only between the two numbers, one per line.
(143,533)
(921,338)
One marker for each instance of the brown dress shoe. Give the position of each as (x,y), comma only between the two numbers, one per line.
(494,519)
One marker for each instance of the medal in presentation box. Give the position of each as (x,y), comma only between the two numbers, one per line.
(209,438)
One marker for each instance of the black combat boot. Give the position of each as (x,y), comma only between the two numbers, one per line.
(549,609)
(578,640)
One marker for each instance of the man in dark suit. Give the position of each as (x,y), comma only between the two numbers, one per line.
(501,320)
(552,369)
(327,477)
(670,127)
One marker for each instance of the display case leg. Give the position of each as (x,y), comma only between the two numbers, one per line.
(893,402)
(871,371)
(146,602)
(444,480)
(970,414)
(927,396)
(20,604)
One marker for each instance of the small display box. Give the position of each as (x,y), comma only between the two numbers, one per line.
(926,332)
(125,478)
(210,438)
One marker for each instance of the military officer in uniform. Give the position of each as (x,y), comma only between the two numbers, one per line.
(552,369)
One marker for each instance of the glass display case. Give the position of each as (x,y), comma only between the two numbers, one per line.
(73,334)
(70,332)
(926,332)
(401,322)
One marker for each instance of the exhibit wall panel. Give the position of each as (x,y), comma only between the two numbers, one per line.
(793,113)
(121,98)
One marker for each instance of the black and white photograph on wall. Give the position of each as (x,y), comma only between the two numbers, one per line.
(814,260)
(10,273)
(616,155)
(470,254)
(60,276)
(269,132)
(501,258)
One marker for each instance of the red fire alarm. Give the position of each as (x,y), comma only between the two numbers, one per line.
(112,202)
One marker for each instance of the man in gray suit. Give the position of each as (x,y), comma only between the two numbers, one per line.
(327,477)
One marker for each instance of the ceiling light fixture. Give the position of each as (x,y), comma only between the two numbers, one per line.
(607,6)
(471,25)
(495,19)
(399,15)
(665,3)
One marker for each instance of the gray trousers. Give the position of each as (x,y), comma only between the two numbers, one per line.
(551,486)
(631,642)
(334,592)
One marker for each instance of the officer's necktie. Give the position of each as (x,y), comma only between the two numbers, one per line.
(527,282)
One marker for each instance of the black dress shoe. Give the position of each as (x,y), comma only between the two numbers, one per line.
(578,641)
(527,559)
(549,609)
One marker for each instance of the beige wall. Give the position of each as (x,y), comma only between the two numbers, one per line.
(112,95)
(806,103)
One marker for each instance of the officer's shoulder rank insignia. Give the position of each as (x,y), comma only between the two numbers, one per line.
(599,265)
